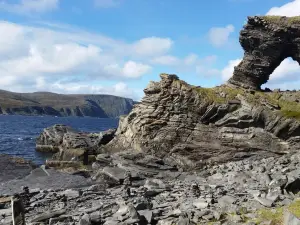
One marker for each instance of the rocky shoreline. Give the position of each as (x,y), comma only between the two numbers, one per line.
(184,155)
(133,188)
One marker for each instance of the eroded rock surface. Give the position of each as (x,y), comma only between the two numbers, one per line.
(267,41)
(70,145)
(194,125)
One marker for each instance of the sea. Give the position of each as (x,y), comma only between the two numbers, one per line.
(18,133)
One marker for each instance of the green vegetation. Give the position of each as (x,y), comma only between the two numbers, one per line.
(219,94)
(276,215)
(295,208)
(222,94)
(282,21)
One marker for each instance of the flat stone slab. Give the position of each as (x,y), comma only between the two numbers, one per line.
(44,179)
(13,167)
(115,173)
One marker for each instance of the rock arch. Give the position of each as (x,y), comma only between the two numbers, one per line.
(267,41)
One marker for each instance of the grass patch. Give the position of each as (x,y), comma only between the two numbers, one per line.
(223,94)
(219,94)
(275,215)
(295,208)
(282,21)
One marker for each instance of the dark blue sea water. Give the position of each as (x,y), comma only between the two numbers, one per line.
(18,133)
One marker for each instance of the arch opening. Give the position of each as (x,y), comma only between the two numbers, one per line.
(286,76)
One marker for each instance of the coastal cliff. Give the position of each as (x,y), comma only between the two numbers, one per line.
(46,103)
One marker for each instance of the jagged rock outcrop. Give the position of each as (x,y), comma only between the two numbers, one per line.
(71,147)
(267,41)
(193,125)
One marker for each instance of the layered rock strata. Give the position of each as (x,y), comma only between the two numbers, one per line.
(195,125)
(71,147)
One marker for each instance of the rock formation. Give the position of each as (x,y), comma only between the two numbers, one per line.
(71,147)
(194,125)
(267,41)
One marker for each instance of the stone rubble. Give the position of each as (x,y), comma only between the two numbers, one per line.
(143,192)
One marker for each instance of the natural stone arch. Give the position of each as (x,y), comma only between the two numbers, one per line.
(267,41)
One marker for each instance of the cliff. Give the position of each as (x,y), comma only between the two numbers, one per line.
(46,103)
(194,125)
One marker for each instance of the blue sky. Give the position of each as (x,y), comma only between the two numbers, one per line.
(118,46)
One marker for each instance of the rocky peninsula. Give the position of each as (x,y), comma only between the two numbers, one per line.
(52,104)
(184,155)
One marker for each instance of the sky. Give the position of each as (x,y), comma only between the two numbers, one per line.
(117,46)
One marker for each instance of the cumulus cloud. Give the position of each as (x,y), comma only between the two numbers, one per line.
(227,72)
(191,59)
(288,9)
(34,55)
(118,89)
(219,36)
(29,6)
(152,46)
(168,60)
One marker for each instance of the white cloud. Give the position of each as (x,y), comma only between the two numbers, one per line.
(191,59)
(227,72)
(106,3)
(32,56)
(29,6)
(152,46)
(289,9)
(133,69)
(168,60)
(219,36)
(288,70)
(118,89)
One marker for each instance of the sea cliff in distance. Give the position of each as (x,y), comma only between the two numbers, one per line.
(52,104)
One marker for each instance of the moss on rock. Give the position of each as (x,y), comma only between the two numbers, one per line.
(280,20)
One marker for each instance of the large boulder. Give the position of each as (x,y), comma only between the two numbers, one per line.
(71,146)
(52,137)
(58,137)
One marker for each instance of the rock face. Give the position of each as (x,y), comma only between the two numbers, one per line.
(194,125)
(267,41)
(71,147)
(46,103)
(60,136)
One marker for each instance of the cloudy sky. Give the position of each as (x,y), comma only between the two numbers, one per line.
(118,46)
